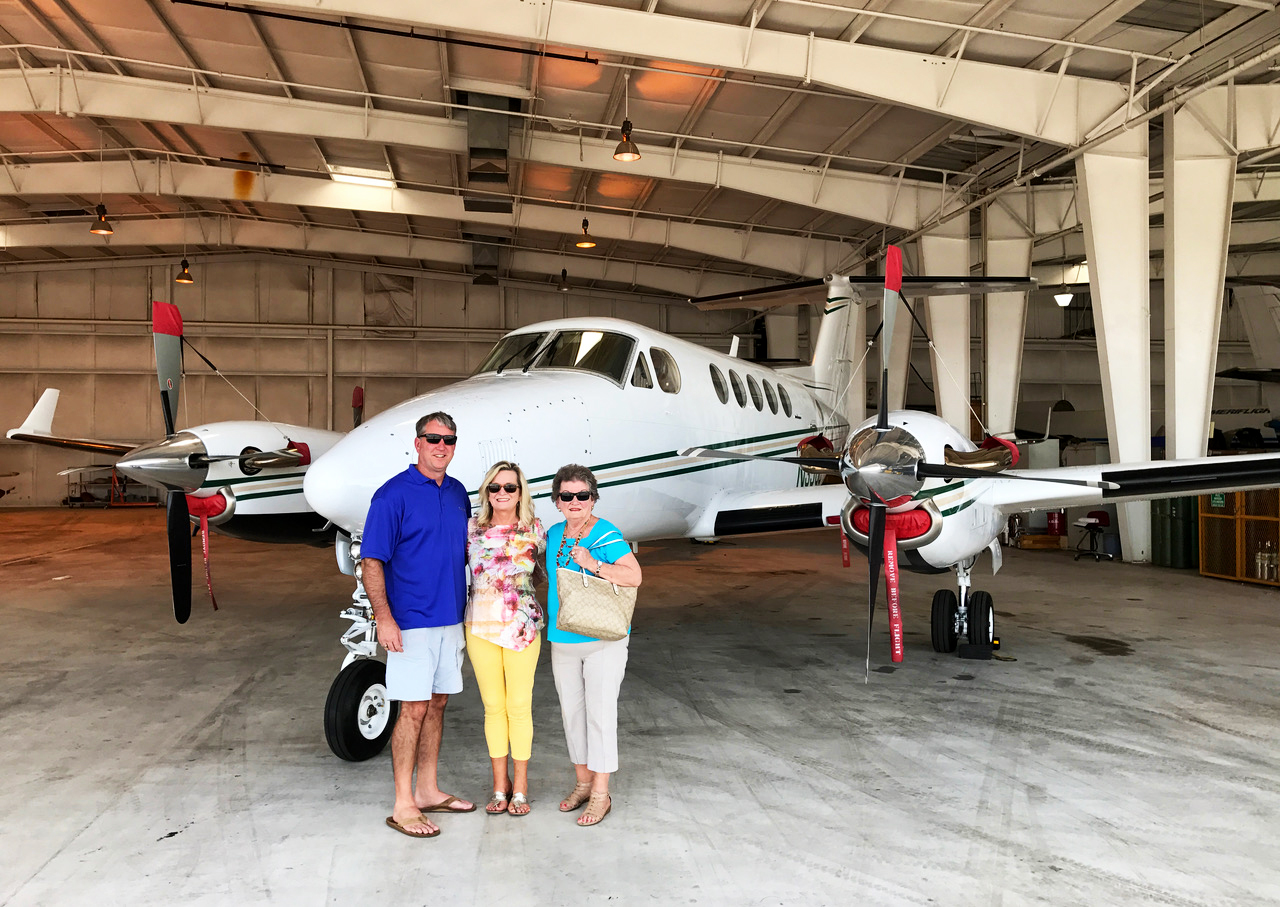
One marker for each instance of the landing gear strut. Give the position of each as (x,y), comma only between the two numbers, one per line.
(969,614)
(358,716)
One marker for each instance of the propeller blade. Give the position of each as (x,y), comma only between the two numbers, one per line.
(178,526)
(357,406)
(829,465)
(166,329)
(889,307)
(875,553)
(940,471)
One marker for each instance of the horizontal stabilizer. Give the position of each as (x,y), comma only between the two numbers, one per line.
(807,290)
(37,428)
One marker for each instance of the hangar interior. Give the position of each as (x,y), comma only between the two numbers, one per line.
(319,166)
(372,194)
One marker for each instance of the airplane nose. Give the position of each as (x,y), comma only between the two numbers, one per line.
(179,462)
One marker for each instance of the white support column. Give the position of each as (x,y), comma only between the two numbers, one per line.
(1008,225)
(1113,189)
(1199,182)
(855,406)
(944,252)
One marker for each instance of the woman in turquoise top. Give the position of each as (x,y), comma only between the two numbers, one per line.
(588,672)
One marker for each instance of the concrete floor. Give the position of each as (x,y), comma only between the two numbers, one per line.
(1127,755)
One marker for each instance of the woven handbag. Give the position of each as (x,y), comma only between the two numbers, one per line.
(590,606)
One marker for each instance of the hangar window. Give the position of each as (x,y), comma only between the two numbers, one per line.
(666,370)
(769,397)
(640,376)
(513,351)
(784,399)
(755,392)
(722,389)
(739,394)
(601,352)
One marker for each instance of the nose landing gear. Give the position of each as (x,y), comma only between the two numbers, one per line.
(970,614)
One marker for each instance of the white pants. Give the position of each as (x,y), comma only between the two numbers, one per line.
(588,676)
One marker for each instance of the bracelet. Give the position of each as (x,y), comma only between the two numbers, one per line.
(599,565)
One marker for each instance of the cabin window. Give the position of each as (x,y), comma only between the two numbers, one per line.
(785,400)
(640,377)
(601,352)
(722,389)
(739,394)
(755,392)
(769,397)
(513,351)
(666,370)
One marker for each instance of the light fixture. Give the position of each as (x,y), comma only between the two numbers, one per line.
(1064,298)
(563,285)
(626,150)
(585,241)
(184,276)
(361,176)
(101,226)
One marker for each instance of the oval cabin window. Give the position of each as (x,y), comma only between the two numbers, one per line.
(755,392)
(769,397)
(722,389)
(739,393)
(785,400)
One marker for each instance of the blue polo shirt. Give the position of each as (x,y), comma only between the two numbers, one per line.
(418,529)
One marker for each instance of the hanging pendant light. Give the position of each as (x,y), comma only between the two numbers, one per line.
(626,150)
(585,241)
(563,285)
(101,226)
(1064,298)
(184,276)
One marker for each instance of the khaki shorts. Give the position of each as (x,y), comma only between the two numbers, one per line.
(430,663)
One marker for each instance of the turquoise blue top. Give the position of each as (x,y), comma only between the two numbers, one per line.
(608,549)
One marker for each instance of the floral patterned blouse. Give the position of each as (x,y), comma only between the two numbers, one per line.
(502,607)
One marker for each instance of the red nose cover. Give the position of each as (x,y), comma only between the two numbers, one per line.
(908,524)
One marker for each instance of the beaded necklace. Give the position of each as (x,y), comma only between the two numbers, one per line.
(564,560)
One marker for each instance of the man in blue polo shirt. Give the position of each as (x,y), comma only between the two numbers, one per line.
(414,554)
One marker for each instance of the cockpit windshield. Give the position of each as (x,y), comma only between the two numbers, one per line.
(602,352)
(513,351)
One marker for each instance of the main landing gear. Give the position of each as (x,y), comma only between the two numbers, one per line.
(358,716)
(969,614)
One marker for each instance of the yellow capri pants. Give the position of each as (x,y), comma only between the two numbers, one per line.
(505,679)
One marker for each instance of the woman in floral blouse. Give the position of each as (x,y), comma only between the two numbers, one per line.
(505,542)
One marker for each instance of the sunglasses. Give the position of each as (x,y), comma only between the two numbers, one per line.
(570,495)
(450,440)
(509,488)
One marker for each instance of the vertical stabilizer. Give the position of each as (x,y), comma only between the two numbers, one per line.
(831,360)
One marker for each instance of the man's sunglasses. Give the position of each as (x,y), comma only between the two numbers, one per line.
(436,439)
(570,495)
(509,488)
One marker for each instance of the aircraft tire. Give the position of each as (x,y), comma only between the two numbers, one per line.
(982,618)
(943,613)
(358,717)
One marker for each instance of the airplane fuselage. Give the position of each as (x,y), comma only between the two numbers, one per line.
(556,412)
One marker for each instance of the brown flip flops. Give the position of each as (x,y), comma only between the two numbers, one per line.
(403,827)
(446,806)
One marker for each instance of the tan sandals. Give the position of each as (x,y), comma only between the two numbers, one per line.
(576,797)
(598,806)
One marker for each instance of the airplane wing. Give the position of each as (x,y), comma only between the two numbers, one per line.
(38,429)
(806,290)
(812,507)
(1133,481)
